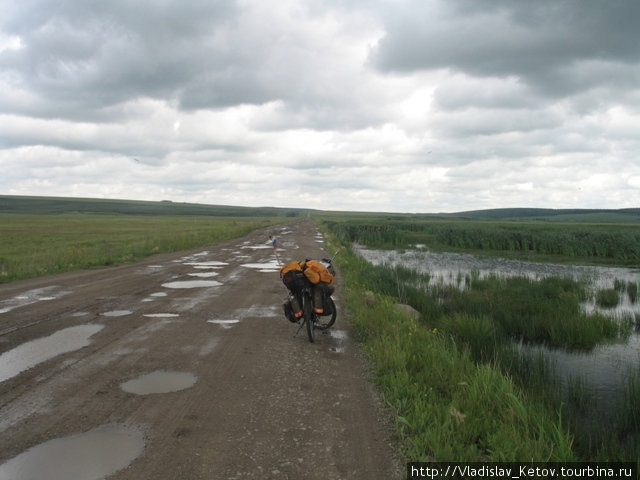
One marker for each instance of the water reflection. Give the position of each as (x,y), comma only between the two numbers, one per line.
(604,370)
(458,269)
(92,455)
(160,381)
(32,353)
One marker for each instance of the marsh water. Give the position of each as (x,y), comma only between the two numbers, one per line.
(605,369)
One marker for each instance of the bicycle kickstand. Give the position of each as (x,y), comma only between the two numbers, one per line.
(299,328)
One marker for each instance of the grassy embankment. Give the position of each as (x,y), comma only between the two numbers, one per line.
(33,245)
(459,388)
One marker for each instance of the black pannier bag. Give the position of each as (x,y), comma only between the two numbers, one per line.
(294,280)
(327,290)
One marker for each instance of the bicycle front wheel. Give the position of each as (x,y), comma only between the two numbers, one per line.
(308,317)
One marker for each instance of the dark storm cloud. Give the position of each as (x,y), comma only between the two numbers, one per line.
(79,57)
(80,60)
(555,47)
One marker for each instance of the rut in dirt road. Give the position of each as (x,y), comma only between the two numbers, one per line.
(183,366)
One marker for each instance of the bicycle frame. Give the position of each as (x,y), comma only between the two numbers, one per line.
(312,320)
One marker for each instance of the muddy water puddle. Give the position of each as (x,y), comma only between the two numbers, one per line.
(255,311)
(32,296)
(224,323)
(340,337)
(160,381)
(34,352)
(155,296)
(207,264)
(266,267)
(204,274)
(92,455)
(182,284)
(116,313)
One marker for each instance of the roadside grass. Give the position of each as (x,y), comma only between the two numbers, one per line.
(446,405)
(36,245)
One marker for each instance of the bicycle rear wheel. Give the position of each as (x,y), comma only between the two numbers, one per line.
(308,317)
(326,321)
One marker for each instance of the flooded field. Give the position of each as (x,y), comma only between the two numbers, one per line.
(458,269)
(605,370)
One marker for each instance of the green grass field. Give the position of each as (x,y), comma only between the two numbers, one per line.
(34,245)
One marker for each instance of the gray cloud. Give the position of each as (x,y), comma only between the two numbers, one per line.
(412,106)
(555,48)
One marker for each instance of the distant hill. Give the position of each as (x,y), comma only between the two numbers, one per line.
(623,215)
(59,205)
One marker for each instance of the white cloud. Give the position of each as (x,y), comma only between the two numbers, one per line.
(383,105)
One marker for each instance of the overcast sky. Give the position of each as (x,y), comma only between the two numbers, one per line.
(378,105)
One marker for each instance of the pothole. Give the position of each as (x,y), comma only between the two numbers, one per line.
(32,353)
(160,381)
(192,284)
(116,313)
(224,323)
(204,274)
(209,264)
(271,266)
(91,455)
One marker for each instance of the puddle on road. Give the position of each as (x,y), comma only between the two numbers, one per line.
(192,284)
(204,274)
(341,336)
(116,313)
(338,334)
(32,353)
(160,381)
(271,266)
(224,323)
(153,296)
(255,311)
(256,247)
(30,297)
(209,264)
(260,311)
(92,455)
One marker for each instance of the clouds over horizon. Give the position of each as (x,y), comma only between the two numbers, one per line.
(390,105)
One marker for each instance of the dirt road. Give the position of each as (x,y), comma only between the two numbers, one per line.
(183,367)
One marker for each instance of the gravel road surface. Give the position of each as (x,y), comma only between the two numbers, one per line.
(183,367)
